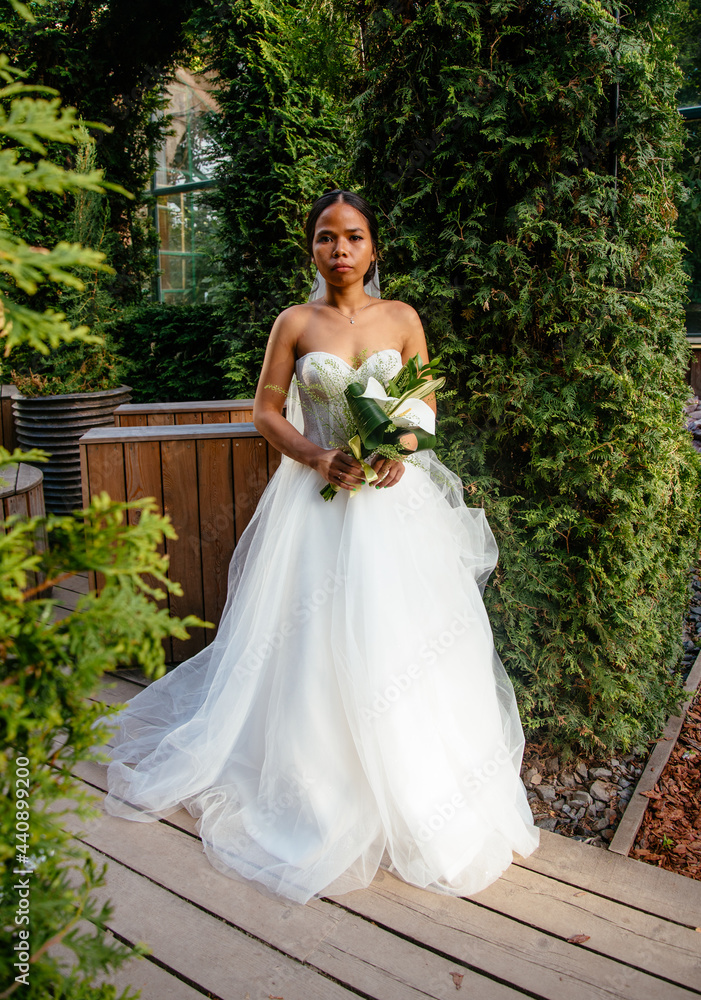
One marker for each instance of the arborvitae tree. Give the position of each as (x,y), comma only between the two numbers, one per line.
(284,72)
(524,156)
(110,61)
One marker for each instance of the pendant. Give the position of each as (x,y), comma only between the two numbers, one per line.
(352,321)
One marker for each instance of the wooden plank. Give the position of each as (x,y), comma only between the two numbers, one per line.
(105,472)
(66,599)
(627,829)
(342,945)
(623,879)
(250,479)
(85,484)
(139,973)
(106,469)
(274,459)
(17,504)
(503,948)
(130,419)
(188,418)
(216,496)
(77,582)
(482,943)
(216,417)
(142,461)
(241,416)
(191,944)
(622,933)
(169,432)
(8,479)
(7,420)
(199,405)
(180,501)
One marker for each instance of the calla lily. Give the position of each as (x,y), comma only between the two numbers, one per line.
(410,412)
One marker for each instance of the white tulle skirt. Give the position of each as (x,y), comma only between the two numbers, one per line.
(351,711)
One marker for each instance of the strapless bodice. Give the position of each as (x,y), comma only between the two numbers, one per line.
(322,378)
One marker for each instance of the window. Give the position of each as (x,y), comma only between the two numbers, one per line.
(185,167)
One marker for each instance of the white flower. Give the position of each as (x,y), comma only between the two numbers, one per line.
(412,412)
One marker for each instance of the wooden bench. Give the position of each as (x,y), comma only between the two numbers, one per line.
(213,411)
(208,478)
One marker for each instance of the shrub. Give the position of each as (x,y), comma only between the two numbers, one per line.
(533,227)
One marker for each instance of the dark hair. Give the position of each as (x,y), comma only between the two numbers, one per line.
(350,198)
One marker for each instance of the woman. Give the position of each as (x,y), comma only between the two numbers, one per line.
(351,711)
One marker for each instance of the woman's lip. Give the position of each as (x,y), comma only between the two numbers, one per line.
(342,267)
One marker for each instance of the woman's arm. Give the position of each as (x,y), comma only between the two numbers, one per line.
(389,470)
(278,367)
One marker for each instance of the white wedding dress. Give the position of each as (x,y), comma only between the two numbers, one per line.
(351,711)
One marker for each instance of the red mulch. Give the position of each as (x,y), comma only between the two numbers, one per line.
(670,834)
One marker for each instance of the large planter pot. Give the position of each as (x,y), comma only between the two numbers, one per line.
(56,424)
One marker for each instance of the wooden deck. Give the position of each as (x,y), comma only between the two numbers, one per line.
(212,936)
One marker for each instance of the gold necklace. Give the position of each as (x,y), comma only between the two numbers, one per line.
(350,318)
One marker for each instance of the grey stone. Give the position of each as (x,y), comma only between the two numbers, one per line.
(581,770)
(600,772)
(600,791)
(547,823)
(558,804)
(552,765)
(567,779)
(546,792)
(592,812)
(583,797)
(528,775)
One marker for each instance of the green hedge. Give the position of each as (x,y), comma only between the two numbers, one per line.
(555,293)
(171,353)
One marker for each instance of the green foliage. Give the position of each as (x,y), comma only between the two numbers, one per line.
(110,62)
(285,70)
(171,353)
(49,670)
(553,292)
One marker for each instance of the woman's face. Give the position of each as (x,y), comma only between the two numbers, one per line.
(343,249)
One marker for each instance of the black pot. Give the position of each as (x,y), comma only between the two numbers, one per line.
(55,424)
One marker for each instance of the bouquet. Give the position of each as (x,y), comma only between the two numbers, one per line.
(384,414)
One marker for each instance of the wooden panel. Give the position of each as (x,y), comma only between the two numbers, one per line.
(130,419)
(105,465)
(186,941)
(241,416)
(216,417)
(188,418)
(160,419)
(169,432)
(142,460)
(626,880)
(274,459)
(694,372)
(180,501)
(250,479)
(216,495)
(8,438)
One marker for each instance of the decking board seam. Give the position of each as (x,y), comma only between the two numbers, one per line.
(611,899)
(591,950)
(253,937)
(118,936)
(485,974)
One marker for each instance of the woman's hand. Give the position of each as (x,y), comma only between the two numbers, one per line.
(389,471)
(340,469)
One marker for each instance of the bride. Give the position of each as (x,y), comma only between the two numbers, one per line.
(351,712)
